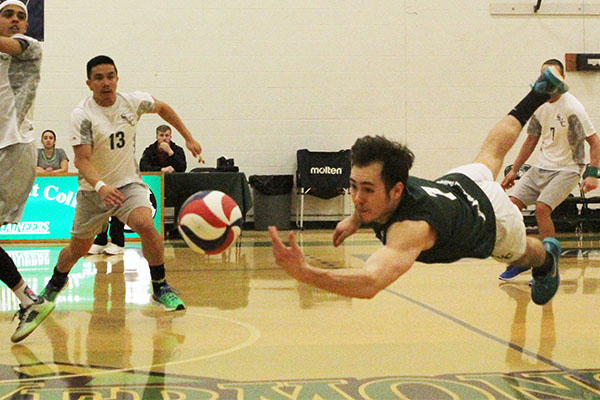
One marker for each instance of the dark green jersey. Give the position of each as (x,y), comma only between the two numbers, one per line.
(456,208)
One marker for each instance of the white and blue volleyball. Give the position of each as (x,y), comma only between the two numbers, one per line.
(209,221)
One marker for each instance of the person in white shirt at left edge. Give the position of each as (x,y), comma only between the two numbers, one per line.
(20,62)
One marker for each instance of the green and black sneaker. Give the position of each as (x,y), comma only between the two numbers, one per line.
(168,299)
(31,317)
(51,291)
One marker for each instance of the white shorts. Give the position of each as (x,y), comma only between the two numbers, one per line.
(17,175)
(546,186)
(91,215)
(511,237)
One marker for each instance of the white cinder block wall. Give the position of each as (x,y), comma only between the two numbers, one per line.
(255,80)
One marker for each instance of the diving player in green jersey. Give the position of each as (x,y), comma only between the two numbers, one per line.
(465,213)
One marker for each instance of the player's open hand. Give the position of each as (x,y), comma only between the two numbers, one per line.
(111,196)
(509,179)
(291,258)
(195,148)
(589,183)
(346,227)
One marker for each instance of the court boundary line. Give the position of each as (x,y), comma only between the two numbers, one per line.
(494,338)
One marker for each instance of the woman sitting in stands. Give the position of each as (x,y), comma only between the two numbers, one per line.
(51,161)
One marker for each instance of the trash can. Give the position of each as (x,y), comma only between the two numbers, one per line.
(272,198)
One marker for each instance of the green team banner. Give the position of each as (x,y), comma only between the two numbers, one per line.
(49,211)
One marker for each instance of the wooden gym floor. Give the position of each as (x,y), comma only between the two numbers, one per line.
(251,332)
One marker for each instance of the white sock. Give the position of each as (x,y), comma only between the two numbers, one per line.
(25,295)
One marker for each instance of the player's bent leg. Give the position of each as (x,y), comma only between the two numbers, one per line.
(534,255)
(140,220)
(77,248)
(498,142)
(513,270)
(520,205)
(544,220)
(9,274)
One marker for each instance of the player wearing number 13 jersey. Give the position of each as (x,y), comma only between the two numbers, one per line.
(111,133)
(103,141)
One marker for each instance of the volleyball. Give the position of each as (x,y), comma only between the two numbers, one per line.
(209,221)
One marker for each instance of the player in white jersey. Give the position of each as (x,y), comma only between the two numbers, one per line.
(103,139)
(20,61)
(563,126)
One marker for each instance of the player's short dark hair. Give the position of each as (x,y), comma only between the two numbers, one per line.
(163,128)
(99,60)
(395,158)
(556,63)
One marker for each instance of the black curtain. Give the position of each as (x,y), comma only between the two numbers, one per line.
(35,10)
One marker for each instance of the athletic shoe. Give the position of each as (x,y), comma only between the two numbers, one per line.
(511,272)
(550,82)
(168,299)
(544,287)
(112,249)
(51,291)
(30,318)
(97,249)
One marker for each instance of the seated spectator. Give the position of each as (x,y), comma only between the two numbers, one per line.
(51,161)
(163,155)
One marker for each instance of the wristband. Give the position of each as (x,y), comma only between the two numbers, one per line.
(99,186)
(590,171)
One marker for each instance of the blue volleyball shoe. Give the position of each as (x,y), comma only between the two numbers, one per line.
(512,271)
(550,82)
(544,287)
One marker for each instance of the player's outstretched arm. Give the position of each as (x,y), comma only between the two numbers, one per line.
(167,113)
(383,267)
(526,150)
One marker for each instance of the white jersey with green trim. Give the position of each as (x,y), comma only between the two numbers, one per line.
(111,133)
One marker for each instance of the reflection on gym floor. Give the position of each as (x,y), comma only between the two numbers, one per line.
(252,332)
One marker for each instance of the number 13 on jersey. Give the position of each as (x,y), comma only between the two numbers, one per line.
(117,140)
